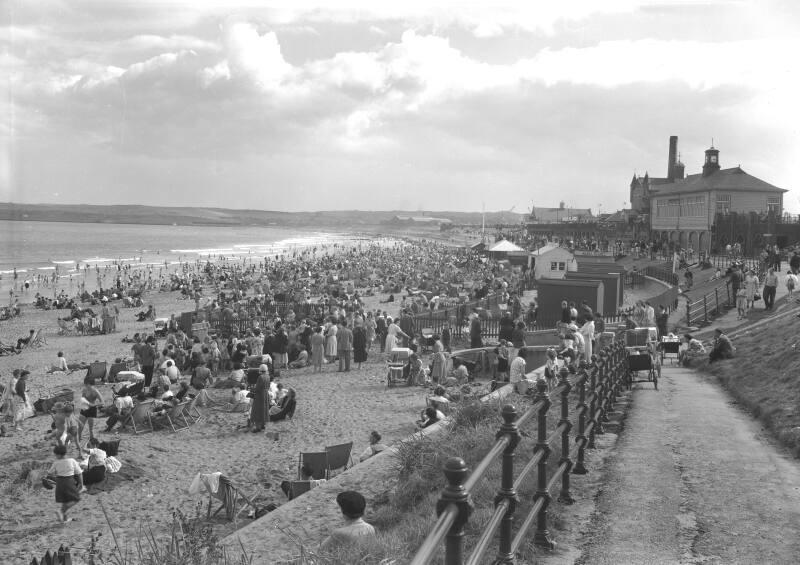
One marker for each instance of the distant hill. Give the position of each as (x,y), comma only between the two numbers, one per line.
(188,216)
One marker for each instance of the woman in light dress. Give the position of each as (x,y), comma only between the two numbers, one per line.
(391,335)
(587,331)
(331,343)
(750,287)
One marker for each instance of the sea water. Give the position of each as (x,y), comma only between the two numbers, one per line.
(66,248)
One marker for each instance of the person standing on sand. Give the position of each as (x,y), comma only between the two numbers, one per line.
(344,346)
(147,358)
(360,344)
(317,349)
(69,481)
(258,410)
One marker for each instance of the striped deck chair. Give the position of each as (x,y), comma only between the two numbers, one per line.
(229,496)
(38,340)
(172,417)
(139,417)
(190,410)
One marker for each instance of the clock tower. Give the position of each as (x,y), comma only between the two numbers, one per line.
(711,164)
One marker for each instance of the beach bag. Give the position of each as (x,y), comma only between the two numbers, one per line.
(756,297)
(48,483)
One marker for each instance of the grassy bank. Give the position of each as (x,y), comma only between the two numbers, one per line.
(404,517)
(763,377)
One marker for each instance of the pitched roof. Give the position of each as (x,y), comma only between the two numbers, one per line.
(505,245)
(733,180)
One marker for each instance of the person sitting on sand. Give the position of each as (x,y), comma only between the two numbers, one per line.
(240,402)
(301,361)
(285,408)
(96,465)
(68,477)
(355,530)
(375,446)
(61,365)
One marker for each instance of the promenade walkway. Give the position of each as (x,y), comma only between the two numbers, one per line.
(694,479)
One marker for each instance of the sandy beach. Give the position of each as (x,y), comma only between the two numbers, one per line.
(158,467)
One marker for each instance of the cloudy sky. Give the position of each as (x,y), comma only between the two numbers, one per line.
(413,105)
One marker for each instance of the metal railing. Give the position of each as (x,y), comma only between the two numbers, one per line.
(710,305)
(597,386)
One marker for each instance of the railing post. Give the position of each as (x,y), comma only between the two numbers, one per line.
(580,439)
(507,492)
(565,496)
(455,471)
(593,402)
(542,535)
(605,363)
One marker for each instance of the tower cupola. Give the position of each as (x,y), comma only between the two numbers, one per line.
(711,164)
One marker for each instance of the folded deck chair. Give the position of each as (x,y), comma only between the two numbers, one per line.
(97,370)
(316,461)
(139,417)
(339,456)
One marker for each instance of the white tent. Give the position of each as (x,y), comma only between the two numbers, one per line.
(504,246)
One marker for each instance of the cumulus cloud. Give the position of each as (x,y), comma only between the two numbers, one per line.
(348,104)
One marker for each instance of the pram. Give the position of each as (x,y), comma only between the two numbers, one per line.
(427,342)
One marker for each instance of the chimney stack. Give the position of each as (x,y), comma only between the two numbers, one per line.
(673,157)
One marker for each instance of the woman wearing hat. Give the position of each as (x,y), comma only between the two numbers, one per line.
(258,411)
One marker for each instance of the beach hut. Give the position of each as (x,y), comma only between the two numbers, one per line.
(553,262)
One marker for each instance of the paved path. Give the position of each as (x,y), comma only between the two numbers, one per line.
(695,480)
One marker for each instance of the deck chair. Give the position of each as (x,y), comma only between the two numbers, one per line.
(317,461)
(97,370)
(139,417)
(38,340)
(174,417)
(114,369)
(339,456)
(190,410)
(129,390)
(296,488)
(229,496)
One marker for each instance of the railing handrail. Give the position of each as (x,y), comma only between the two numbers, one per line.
(604,376)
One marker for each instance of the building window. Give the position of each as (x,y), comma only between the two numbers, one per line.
(553,266)
(558,266)
(661,208)
(562,266)
(723,203)
(695,206)
(674,207)
(774,204)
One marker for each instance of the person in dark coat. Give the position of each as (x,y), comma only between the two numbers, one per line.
(475,332)
(506,327)
(258,410)
(359,344)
